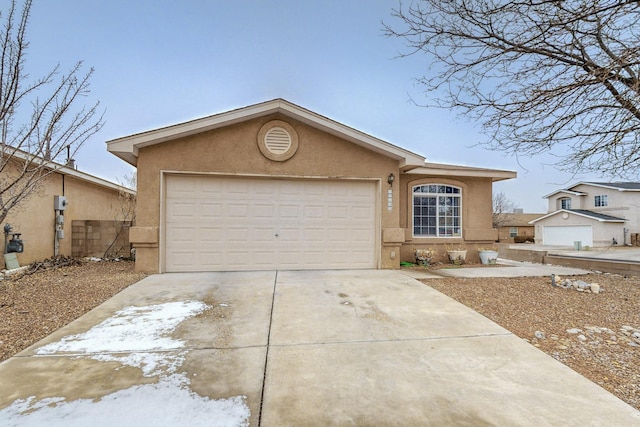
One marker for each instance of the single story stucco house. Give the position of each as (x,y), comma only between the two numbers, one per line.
(276,186)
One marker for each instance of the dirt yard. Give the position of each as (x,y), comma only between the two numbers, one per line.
(33,306)
(597,335)
(591,333)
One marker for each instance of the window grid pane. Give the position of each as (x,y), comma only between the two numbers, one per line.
(436,211)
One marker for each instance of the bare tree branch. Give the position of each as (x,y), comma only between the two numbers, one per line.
(542,76)
(40,119)
(503,209)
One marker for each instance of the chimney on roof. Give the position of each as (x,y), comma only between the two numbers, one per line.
(71,163)
(518,210)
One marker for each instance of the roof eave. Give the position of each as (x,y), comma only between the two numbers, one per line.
(620,220)
(66,170)
(127,147)
(443,169)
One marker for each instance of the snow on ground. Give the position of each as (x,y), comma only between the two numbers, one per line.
(131,329)
(141,333)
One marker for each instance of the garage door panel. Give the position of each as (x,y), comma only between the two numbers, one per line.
(209,210)
(361,235)
(313,235)
(338,235)
(182,234)
(181,211)
(233,223)
(210,234)
(567,235)
(263,210)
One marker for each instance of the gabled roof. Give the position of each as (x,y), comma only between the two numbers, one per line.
(442,169)
(67,170)
(620,186)
(518,219)
(583,213)
(127,147)
(573,193)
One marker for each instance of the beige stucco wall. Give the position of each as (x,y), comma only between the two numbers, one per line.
(233,150)
(477,216)
(621,204)
(35,218)
(577,202)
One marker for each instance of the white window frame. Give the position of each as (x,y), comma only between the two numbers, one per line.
(443,194)
(565,203)
(601,201)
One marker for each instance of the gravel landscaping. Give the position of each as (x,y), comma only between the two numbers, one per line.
(597,335)
(35,305)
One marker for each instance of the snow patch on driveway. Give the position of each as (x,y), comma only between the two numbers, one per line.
(136,337)
(131,329)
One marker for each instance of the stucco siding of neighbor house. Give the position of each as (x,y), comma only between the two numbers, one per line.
(603,233)
(233,151)
(621,204)
(555,201)
(35,217)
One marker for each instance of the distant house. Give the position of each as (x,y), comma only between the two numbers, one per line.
(71,213)
(276,186)
(591,214)
(516,224)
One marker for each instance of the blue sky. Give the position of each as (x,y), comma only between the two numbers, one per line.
(163,62)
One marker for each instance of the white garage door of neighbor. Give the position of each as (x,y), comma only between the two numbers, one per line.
(567,235)
(232,223)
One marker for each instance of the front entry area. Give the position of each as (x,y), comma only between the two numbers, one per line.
(222,223)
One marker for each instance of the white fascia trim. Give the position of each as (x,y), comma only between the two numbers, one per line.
(65,170)
(442,169)
(127,147)
(611,187)
(578,214)
(573,193)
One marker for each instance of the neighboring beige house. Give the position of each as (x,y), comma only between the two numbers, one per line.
(591,214)
(276,186)
(87,198)
(516,224)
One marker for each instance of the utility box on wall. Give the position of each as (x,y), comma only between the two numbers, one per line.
(59,203)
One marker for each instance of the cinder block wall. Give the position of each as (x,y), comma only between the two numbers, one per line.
(96,237)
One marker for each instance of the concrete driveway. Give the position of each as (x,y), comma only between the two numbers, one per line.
(312,348)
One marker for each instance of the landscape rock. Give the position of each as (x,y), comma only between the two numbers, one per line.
(539,334)
(578,285)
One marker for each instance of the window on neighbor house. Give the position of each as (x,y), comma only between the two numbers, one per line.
(436,211)
(565,203)
(602,201)
(513,231)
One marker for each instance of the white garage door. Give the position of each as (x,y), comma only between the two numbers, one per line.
(567,235)
(231,223)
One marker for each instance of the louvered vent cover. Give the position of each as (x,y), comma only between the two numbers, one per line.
(277,140)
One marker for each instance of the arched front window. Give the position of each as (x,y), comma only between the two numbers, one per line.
(436,211)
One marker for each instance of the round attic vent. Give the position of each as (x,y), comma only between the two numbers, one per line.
(277,140)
